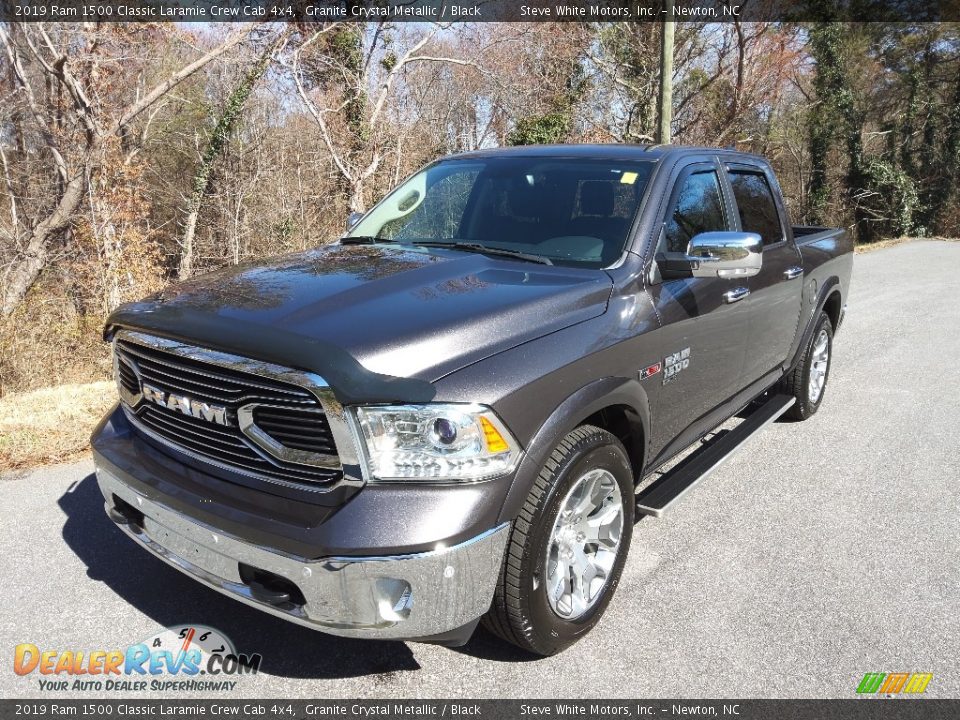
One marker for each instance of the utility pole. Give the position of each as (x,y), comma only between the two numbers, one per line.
(666,76)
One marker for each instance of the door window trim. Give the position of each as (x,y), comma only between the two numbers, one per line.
(772,186)
(694,166)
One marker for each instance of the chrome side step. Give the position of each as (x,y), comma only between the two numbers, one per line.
(657,497)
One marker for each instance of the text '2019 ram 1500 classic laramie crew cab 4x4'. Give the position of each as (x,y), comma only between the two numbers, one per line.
(452,414)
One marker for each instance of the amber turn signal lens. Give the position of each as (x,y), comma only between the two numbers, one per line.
(492,436)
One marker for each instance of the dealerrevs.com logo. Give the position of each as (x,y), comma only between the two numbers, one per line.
(188,658)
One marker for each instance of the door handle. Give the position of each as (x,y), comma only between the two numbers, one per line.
(732,296)
(794,272)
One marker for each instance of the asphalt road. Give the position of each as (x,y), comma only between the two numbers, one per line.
(822,551)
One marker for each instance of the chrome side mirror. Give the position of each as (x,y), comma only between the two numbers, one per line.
(725,254)
(352,219)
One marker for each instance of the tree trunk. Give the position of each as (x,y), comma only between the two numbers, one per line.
(665,107)
(71,189)
(218,143)
(185,269)
(25,271)
(826,44)
(356,195)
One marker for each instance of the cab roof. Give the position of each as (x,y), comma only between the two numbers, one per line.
(601,151)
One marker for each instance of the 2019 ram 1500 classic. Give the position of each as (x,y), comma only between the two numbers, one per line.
(455,412)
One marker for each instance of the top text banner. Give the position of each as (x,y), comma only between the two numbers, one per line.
(326,11)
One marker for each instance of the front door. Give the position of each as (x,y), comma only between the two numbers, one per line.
(702,336)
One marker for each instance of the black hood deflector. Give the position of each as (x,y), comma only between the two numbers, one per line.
(353,382)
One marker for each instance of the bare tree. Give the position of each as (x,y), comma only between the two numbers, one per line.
(229,116)
(352,115)
(35,58)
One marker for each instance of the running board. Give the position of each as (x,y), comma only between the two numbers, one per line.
(674,484)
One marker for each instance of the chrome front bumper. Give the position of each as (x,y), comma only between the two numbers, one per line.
(402,597)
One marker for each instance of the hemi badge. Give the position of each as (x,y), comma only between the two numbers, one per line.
(650,370)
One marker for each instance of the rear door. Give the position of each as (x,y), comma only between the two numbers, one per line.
(702,337)
(774,300)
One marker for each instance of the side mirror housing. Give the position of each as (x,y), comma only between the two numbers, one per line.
(725,254)
(352,219)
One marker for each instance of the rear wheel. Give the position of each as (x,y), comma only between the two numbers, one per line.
(568,545)
(807,382)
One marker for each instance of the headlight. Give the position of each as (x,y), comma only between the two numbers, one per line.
(435,442)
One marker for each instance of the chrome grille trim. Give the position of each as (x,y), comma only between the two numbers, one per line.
(301,485)
(156,358)
(182,368)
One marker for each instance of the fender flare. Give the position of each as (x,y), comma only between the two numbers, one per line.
(583,403)
(827,289)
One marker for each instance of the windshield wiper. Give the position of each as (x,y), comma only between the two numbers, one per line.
(486,250)
(468,246)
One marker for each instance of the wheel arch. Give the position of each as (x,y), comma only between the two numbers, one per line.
(833,306)
(829,300)
(625,424)
(618,405)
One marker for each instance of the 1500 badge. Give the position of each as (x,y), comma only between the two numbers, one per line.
(674,364)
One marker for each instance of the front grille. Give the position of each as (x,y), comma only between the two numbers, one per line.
(290,415)
(128,378)
(296,428)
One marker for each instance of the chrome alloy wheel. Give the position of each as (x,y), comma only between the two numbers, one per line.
(583,544)
(818,366)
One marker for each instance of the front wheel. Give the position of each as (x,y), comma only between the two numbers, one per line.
(568,545)
(808,381)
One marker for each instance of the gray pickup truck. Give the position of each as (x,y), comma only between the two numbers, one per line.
(455,413)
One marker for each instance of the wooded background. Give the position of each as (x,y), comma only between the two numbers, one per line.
(133,155)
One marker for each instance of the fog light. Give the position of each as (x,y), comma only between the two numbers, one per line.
(394,599)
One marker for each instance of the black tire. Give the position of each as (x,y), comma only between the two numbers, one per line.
(521,613)
(797,381)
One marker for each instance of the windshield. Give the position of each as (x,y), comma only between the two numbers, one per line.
(574,212)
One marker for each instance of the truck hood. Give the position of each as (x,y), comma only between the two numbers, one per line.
(398,312)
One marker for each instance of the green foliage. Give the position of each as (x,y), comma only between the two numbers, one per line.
(953,138)
(932,130)
(346,49)
(556,124)
(833,111)
(284,230)
(889,201)
(540,129)
(225,125)
(389,61)
(900,80)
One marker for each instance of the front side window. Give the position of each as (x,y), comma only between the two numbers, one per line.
(697,207)
(576,212)
(756,206)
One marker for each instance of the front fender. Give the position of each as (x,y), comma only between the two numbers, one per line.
(583,403)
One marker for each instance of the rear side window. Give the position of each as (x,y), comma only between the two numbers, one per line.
(756,206)
(697,207)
